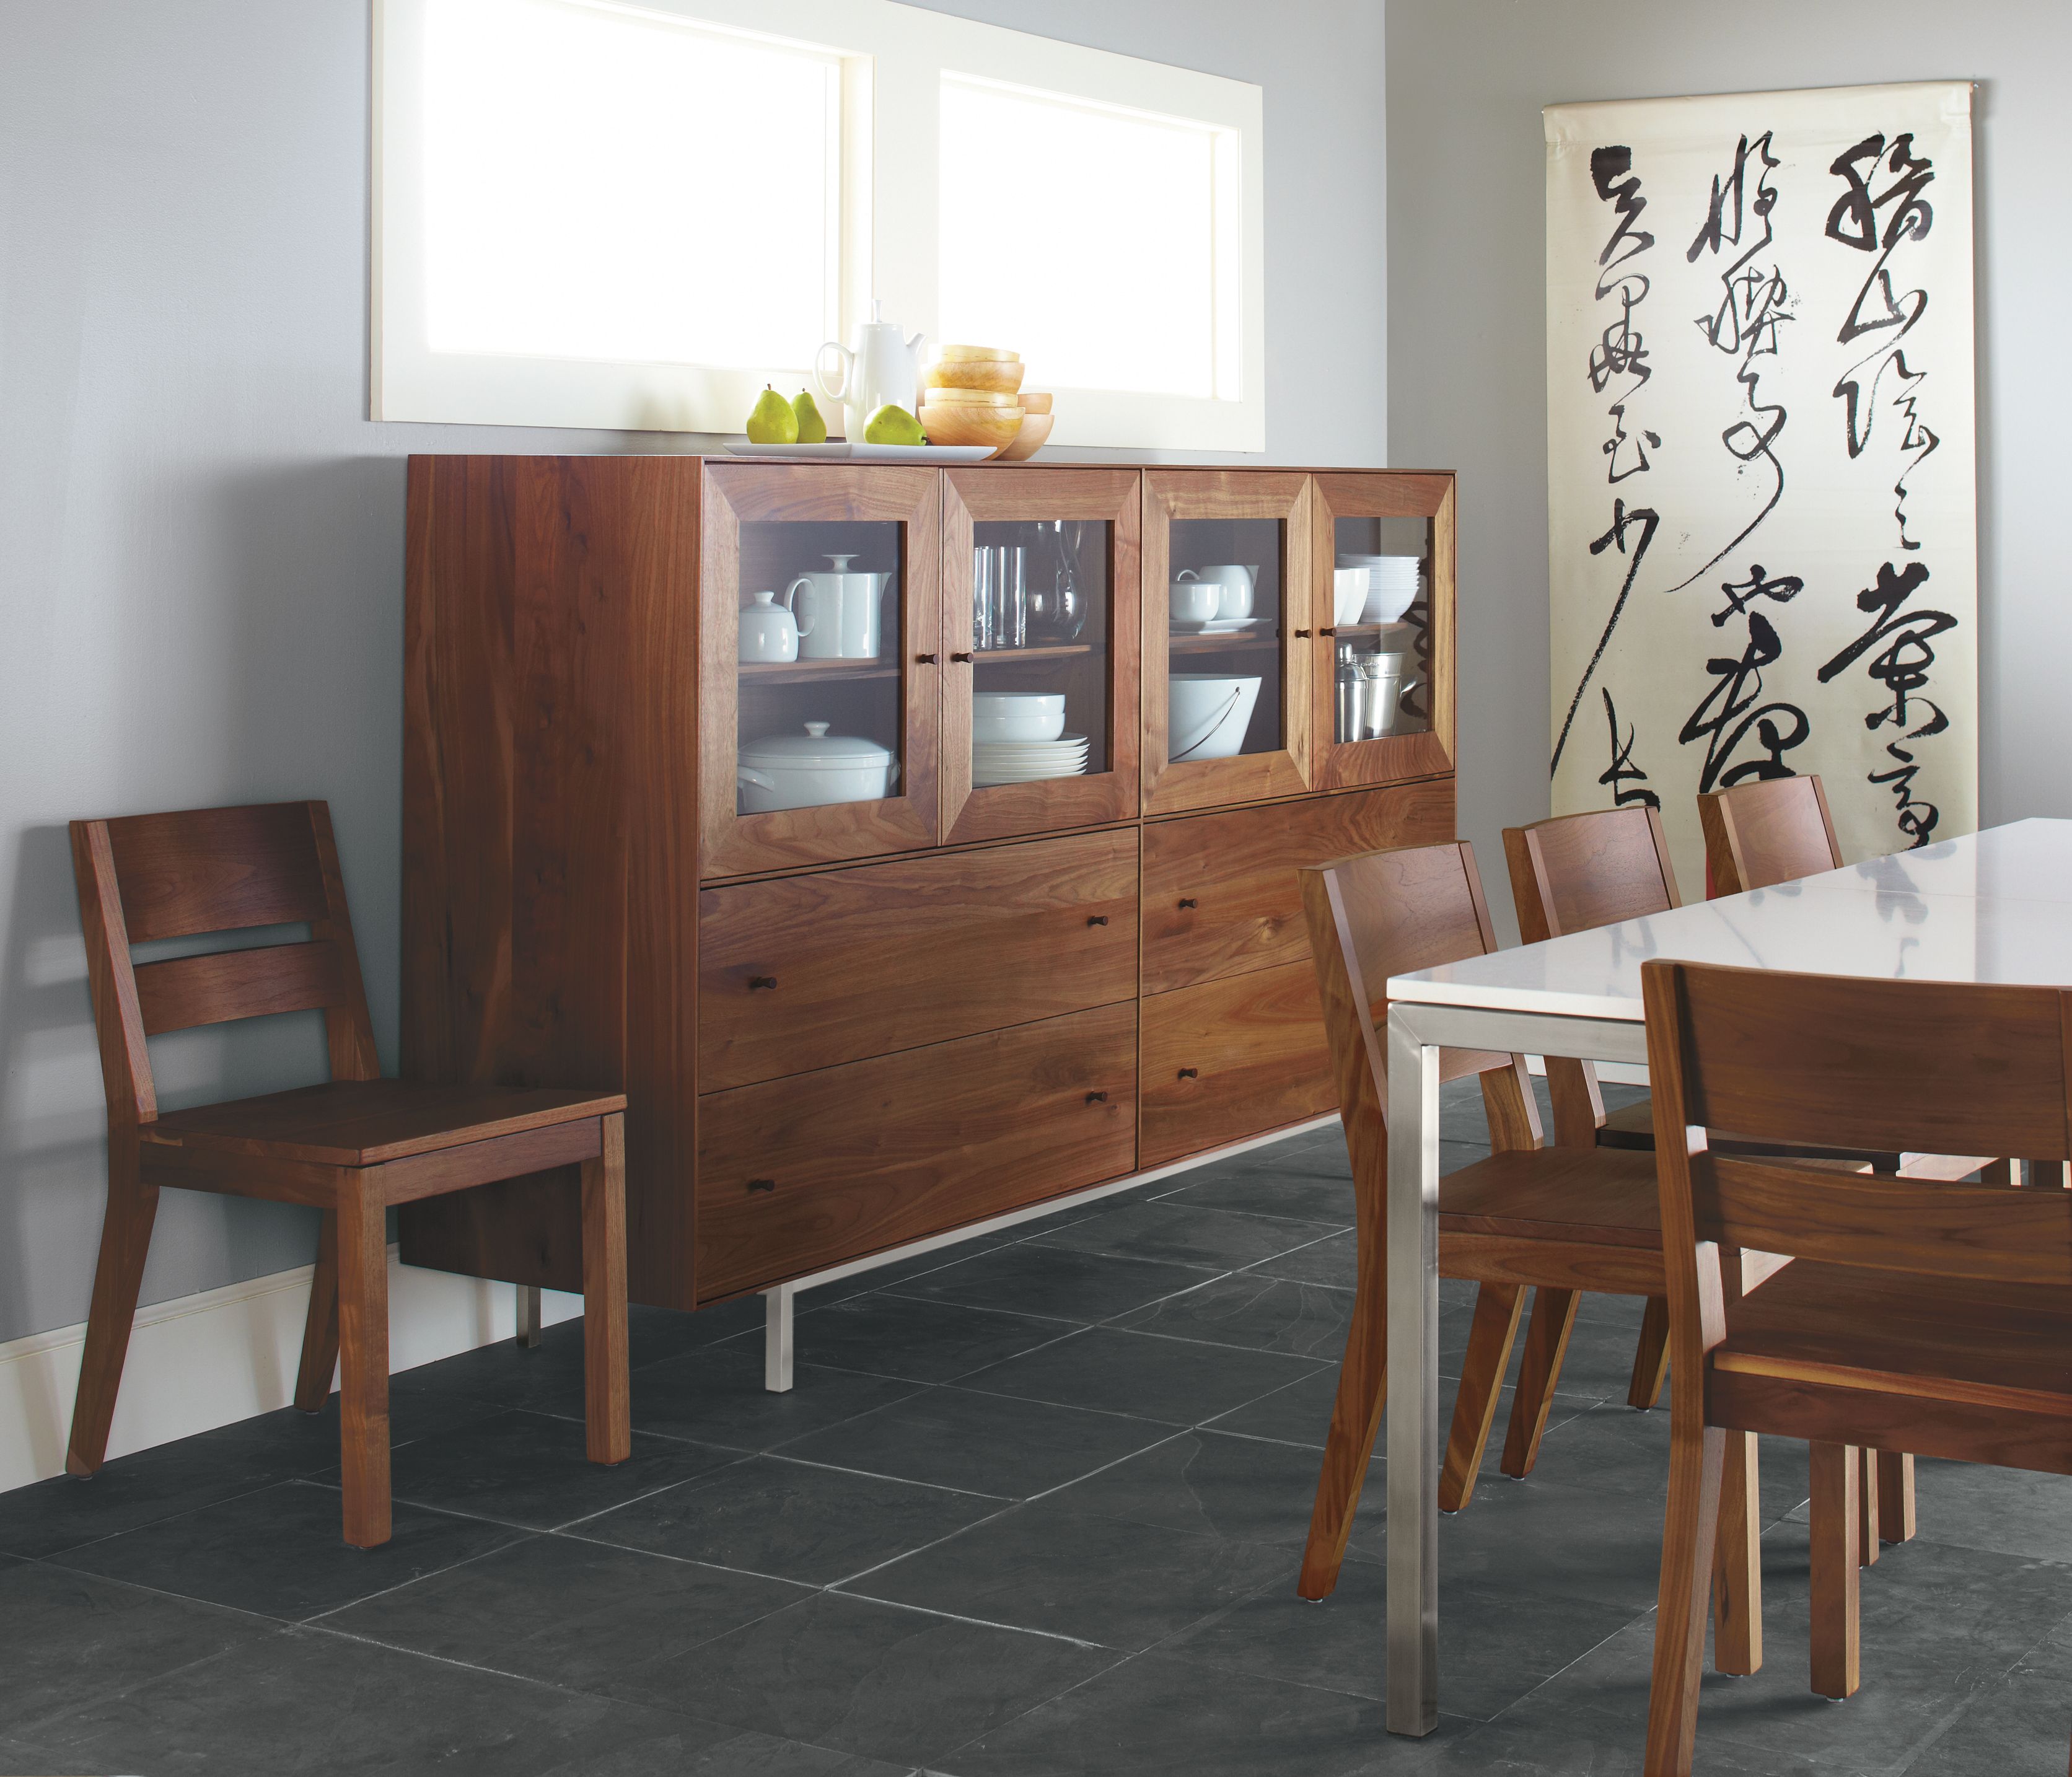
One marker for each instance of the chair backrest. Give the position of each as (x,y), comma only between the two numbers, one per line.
(1387,913)
(155,876)
(1768,830)
(1931,1067)
(1574,872)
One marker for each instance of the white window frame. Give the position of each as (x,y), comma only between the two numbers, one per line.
(894,59)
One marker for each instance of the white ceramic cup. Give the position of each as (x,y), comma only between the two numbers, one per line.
(1349,590)
(1194,601)
(1237,581)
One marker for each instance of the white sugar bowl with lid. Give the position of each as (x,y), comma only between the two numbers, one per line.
(811,769)
(769,631)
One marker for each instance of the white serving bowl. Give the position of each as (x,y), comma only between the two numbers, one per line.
(809,770)
(1017,715)
(1207,714)
(1385,604)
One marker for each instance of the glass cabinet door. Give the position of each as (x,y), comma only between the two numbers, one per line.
(1227,642)
(818,715)
(1382,593)
(1039,631)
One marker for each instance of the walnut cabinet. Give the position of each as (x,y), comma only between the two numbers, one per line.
(851,1012)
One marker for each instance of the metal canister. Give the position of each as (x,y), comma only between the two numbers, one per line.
(1382,675)
(1352,696)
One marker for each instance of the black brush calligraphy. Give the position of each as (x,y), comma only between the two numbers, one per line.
(1900,645)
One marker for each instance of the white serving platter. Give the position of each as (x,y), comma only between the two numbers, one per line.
(835,451)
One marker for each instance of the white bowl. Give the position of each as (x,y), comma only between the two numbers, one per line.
(1349,591)
(1207,714)
(1017,715)
(1385,604)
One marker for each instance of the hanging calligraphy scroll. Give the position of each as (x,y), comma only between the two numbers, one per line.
(1760,486)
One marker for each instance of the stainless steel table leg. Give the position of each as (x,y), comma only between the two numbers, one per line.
(1413,1380)
(777,1338)
(529,1315)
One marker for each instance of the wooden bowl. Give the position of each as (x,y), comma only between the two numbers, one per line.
(947,352)
(1033,403)
(1001,374)
(970,397)
(962,422)
(1035,428)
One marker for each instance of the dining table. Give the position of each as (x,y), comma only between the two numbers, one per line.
(1995,907)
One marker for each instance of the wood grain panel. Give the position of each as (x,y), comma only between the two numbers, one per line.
(549,639)
(1232,1058)
(214,870)
(796,1175)
(811,971)
(185,991)
(1237,870)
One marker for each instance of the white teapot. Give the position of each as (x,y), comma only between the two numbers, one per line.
(882,368)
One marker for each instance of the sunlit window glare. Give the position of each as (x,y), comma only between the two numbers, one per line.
(1083,236)
(604,185)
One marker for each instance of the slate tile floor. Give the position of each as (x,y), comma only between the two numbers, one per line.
(1033,1510)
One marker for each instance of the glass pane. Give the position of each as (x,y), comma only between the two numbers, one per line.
(1382,606)
(1042,695)
(611,122)
(1223,610)
(821,657)
(1127,274)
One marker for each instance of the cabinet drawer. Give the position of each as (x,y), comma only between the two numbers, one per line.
(1230,1059)
(890,957)
(1220,895)
(863,1156)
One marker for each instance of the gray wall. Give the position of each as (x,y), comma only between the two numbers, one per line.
(1467,375)
(201,534)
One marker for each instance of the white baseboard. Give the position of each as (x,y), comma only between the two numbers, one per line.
(201,1361)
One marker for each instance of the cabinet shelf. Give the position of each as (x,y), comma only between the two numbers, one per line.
(814,672)
(1225,644)
(1048,651)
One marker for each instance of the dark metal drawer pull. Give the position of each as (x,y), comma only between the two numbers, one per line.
(1191,1073)
(1096,919)
(1301,636)
(757,983)
(924,660)
(960,657)
(763,1184)
(1188,901)
(1096,1098)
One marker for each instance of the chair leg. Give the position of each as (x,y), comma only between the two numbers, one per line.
(1650,1358)
(1867,1506)
(363,1330)
(1355,1411)
(125,1238)
(608,1401)
(1498,1307)
(1690,1525)
(1737,1562)
(1832,1512)
(1895,1513)
(320,1328)
(1539,1369)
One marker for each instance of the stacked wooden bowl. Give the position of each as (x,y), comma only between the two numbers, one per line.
(972,395)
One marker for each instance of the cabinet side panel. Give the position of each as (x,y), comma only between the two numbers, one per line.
(590,550)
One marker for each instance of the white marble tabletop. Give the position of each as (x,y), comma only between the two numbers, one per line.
(1995,907)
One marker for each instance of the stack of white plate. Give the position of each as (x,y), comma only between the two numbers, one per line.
(1393,583)
(1026,761)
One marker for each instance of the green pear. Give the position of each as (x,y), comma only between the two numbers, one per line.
(892,424)
(813,429)
(773,421)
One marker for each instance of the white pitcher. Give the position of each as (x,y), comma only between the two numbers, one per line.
(838,612)
(882,368)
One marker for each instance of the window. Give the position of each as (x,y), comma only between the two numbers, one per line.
(602,215)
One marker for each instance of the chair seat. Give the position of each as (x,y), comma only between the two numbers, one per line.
(1897,1333)
(1586,1196)
(366,1122)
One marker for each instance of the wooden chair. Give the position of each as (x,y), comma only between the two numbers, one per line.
(1562,1218)
(349,1148)
(1765,832)
(1916,1315)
